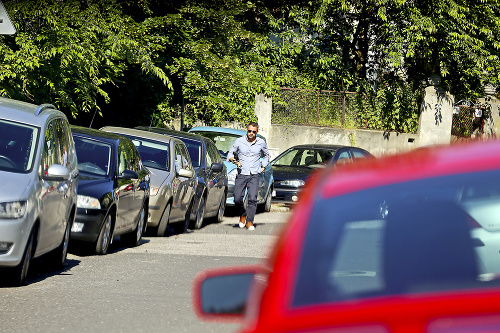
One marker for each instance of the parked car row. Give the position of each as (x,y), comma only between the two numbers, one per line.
(90,185)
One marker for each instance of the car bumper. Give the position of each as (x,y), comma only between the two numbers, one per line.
(14,235)
(285,195)
(157,205)
(88,223)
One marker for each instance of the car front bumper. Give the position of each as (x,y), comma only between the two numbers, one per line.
(285,195)
(157,205)
(14,235)
(87,225)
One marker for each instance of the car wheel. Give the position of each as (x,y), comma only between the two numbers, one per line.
(59,255)
(198,222)
(104,238)
(134,238)
(222,208)
(21,271)
(162,226)
(267,203)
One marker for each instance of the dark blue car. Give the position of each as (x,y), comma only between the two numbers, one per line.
(113,190)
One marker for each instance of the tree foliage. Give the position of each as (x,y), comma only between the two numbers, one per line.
(136,62)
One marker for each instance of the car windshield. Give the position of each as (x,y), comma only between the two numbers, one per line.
(154,154)
(94,157)
(17,146)
(195,151)
(223,141)
(304,157)
(420,236)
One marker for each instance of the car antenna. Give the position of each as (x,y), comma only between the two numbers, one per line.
(90,126)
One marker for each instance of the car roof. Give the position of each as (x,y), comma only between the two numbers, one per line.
(174,133)
(418,164)
(222,130)
(139,133)
(321,146)
(26,112)
(96,134)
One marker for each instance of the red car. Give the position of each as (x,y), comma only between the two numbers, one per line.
(395,244)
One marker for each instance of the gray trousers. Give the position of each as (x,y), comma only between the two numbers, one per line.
(251,184)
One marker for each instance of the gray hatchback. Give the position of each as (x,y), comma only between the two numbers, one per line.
(38,173)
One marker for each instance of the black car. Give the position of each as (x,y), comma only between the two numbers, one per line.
(211,191)
(113,190)
(292,167)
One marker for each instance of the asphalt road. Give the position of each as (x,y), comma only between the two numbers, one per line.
(142,289)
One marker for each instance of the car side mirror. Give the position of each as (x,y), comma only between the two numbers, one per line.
(217,167)
(223,294)
(185,173)
(56,172)
(128,174)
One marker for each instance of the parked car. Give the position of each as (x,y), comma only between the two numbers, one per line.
(381,245)
(39,176)
(211,191)
(292,167)
(113,191)
(224,139)
(173,179)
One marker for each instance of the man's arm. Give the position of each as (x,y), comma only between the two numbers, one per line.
(230,154)
(265,157)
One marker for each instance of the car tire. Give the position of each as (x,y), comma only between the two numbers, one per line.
(267,203)
(245,202)
(58,256)
(20,272)
(105,235)
(198,222)
(162,226)
(222,208)
(134,238)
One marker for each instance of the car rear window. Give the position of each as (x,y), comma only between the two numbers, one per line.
(428,235)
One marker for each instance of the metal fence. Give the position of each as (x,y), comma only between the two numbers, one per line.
(332,109)
(314,108)
(467,122)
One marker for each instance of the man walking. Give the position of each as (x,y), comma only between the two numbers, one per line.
(249,149)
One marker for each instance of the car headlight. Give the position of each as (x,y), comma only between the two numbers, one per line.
(294,183)
(231,176)
(153,190)
(84,201)
(13,210)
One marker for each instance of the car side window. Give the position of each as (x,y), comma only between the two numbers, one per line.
(213,152)
(186,160)
(49,156)
(134,160)
(358,153)
(344,154)
(208,154)
(123,161)
(63,144)
(178,156)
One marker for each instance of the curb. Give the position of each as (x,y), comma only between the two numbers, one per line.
(280,208)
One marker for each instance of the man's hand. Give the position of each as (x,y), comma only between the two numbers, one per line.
(262,169)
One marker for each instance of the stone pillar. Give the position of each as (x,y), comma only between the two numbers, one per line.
(436,114)
(263,110)
(492,113)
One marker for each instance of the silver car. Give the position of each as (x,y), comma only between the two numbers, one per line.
(173,179)
(38,173)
